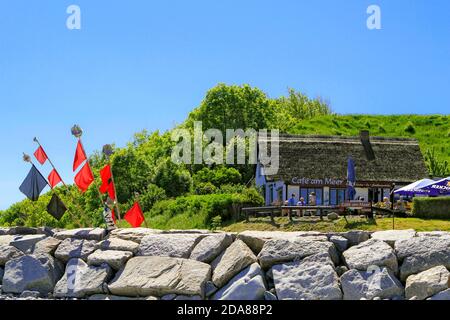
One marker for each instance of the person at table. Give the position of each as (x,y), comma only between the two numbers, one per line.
(312,199)
(292,202)
(301,203)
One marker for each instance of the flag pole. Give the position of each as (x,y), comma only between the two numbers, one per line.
(136,198)
(108,151)
(64,184)
(77,132)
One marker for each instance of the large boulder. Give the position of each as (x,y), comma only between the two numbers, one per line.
(6,240)
(371,253)
(118,244)
(132,234)
(247,285)
(422,253)
(381,283)
(355,237)
(169,245)
(235,258)
(30,273)
(74,248)
(3,231)
(255,240)
(340,242)
(158,276)
(47,246)
(7,253)
(96,234)
(279,251)
(26,243)
(391,236)
(443,295)
(306,280)
(427,283)
(210,247)
(114,258)
(81,280)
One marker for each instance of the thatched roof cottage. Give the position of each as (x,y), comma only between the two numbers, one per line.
(319,164)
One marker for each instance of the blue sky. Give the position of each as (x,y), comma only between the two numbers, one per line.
(146,64)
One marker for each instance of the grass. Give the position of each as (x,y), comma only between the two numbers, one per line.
(430,130)
(354,223)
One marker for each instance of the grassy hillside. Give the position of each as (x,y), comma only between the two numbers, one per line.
(431,130)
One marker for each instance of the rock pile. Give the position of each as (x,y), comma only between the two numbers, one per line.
(146,264)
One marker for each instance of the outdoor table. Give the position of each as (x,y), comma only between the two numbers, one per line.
(319,208)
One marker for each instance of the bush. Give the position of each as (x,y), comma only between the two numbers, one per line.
(198,211)
(437,208)
(410,128)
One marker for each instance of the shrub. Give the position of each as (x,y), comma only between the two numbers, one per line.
(198,211)
(410,128)
(381,129)
(437,208)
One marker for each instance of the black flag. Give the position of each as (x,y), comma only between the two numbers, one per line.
(56,207)
(33,184)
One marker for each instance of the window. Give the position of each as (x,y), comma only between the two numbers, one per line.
(337,196)
(305,192)
(271,194)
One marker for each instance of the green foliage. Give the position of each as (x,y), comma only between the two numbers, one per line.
(436,166)
(427,207)
(197,211)
(216,223)
(218,176)
(173,178)
(410,128)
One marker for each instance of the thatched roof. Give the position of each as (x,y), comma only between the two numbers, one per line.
(320,157)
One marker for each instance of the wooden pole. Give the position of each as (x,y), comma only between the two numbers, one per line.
(65,186)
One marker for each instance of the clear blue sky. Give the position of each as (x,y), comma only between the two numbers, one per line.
(146,64)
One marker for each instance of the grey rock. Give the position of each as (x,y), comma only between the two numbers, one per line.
(132,234)
(210,289)
(81,280)
(427,283)
(210,247)
(7,253)
(158,276)
(422,253)
(1,275)
(279,251)
(106,297)
(118,244)
(391,236)
(434,234)
(74,248)
(356,237)
(255,240)
(26,243)
(380,284)
(333,216)
(247,285)
(269,296)
(188,298)
(114,258)
(96,234)
(3,231)
(371,253)
(169,245)
(6,240)
(22,230)
(306,281)
(30,273)
(168,297)
(341,270)
(235,258)
(443,295)
(30,294)
(48,246)
(340,243)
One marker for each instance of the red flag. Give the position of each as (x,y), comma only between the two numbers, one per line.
(40,155)
(80,156)
(113,216)
(84,178)
(135,217)
(54,178)
(107,183)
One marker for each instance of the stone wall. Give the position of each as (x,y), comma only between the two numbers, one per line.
(40,263)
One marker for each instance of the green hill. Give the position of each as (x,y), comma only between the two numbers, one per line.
(432,131)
